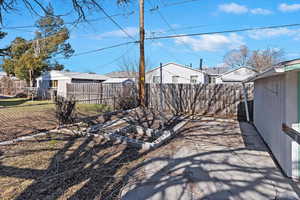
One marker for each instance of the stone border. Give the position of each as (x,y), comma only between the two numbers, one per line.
(164,136)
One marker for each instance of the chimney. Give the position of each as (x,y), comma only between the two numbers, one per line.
(191,65)
(201,64)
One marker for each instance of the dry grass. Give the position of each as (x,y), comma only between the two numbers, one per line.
(20,117)
(63,166)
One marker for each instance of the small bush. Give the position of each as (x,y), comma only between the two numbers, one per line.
(64,110)
(127,102)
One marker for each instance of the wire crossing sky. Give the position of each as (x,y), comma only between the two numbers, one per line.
(180,31)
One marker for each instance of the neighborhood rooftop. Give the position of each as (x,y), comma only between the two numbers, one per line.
(122,74)
(216,70)
(75,75)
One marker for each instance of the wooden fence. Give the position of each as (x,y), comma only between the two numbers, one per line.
(97,93)
(11,87)
(212,99)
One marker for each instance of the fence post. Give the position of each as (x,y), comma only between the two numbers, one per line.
(114,99)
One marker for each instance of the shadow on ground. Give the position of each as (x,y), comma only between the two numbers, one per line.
(207,160)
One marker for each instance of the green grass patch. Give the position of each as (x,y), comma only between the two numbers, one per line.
(21,102)
(92,108)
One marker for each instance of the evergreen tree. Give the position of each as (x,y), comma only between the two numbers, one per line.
(27,59)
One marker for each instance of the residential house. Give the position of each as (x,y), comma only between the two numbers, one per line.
(277,107)
(237,75)
(121,77)
(175,73)
(214,72)
(58,80)
(2,74)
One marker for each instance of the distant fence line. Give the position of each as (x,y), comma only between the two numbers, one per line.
(11,87)
(97,93)
(207,99)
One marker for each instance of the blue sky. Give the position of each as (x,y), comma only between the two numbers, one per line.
(212,15)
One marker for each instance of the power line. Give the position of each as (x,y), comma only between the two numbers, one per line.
(186,35)
(101,49)
(116,23)
(220,32)
(117,58)
(171,28)
(179,3)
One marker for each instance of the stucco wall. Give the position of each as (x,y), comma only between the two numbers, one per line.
(275,103)
(170,70)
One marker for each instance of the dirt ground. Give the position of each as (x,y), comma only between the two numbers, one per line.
(21,117)
(208,158)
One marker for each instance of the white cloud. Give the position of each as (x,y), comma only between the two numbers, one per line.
(233,8)
(132,31)
(157,44)
(212,42)
(289,8)
(271,33)
(260,11)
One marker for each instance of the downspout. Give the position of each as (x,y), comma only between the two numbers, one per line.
(246,102)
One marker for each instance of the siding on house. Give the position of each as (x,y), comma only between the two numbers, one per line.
(175,73)
(63,78)
(275,103)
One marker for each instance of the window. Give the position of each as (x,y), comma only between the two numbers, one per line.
(194,79)
(156,79)
(53,83)
(175,79)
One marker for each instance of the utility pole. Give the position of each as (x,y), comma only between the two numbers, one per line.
(142,56)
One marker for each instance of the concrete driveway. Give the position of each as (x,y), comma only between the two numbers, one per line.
(211,159)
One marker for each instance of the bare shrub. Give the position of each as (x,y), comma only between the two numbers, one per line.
(127,102)
(64,110)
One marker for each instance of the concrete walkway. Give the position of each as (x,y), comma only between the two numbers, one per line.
(211,160)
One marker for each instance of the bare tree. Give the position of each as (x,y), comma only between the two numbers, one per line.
(262,59)
(131,66)
(258,59)
(238,57)
(81,7)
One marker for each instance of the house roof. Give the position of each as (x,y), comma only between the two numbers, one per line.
(117,80)
(282,67)
(3,74)
(171,63)
(72,75)
(216,70)
(230,76)
(122,74)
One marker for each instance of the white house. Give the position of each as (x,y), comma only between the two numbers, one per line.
(277,106)
(121,77)
(2,74)
(236,75)
(58,80)
(214,72)
(175,73)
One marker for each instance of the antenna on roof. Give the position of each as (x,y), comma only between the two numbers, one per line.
(201,64)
